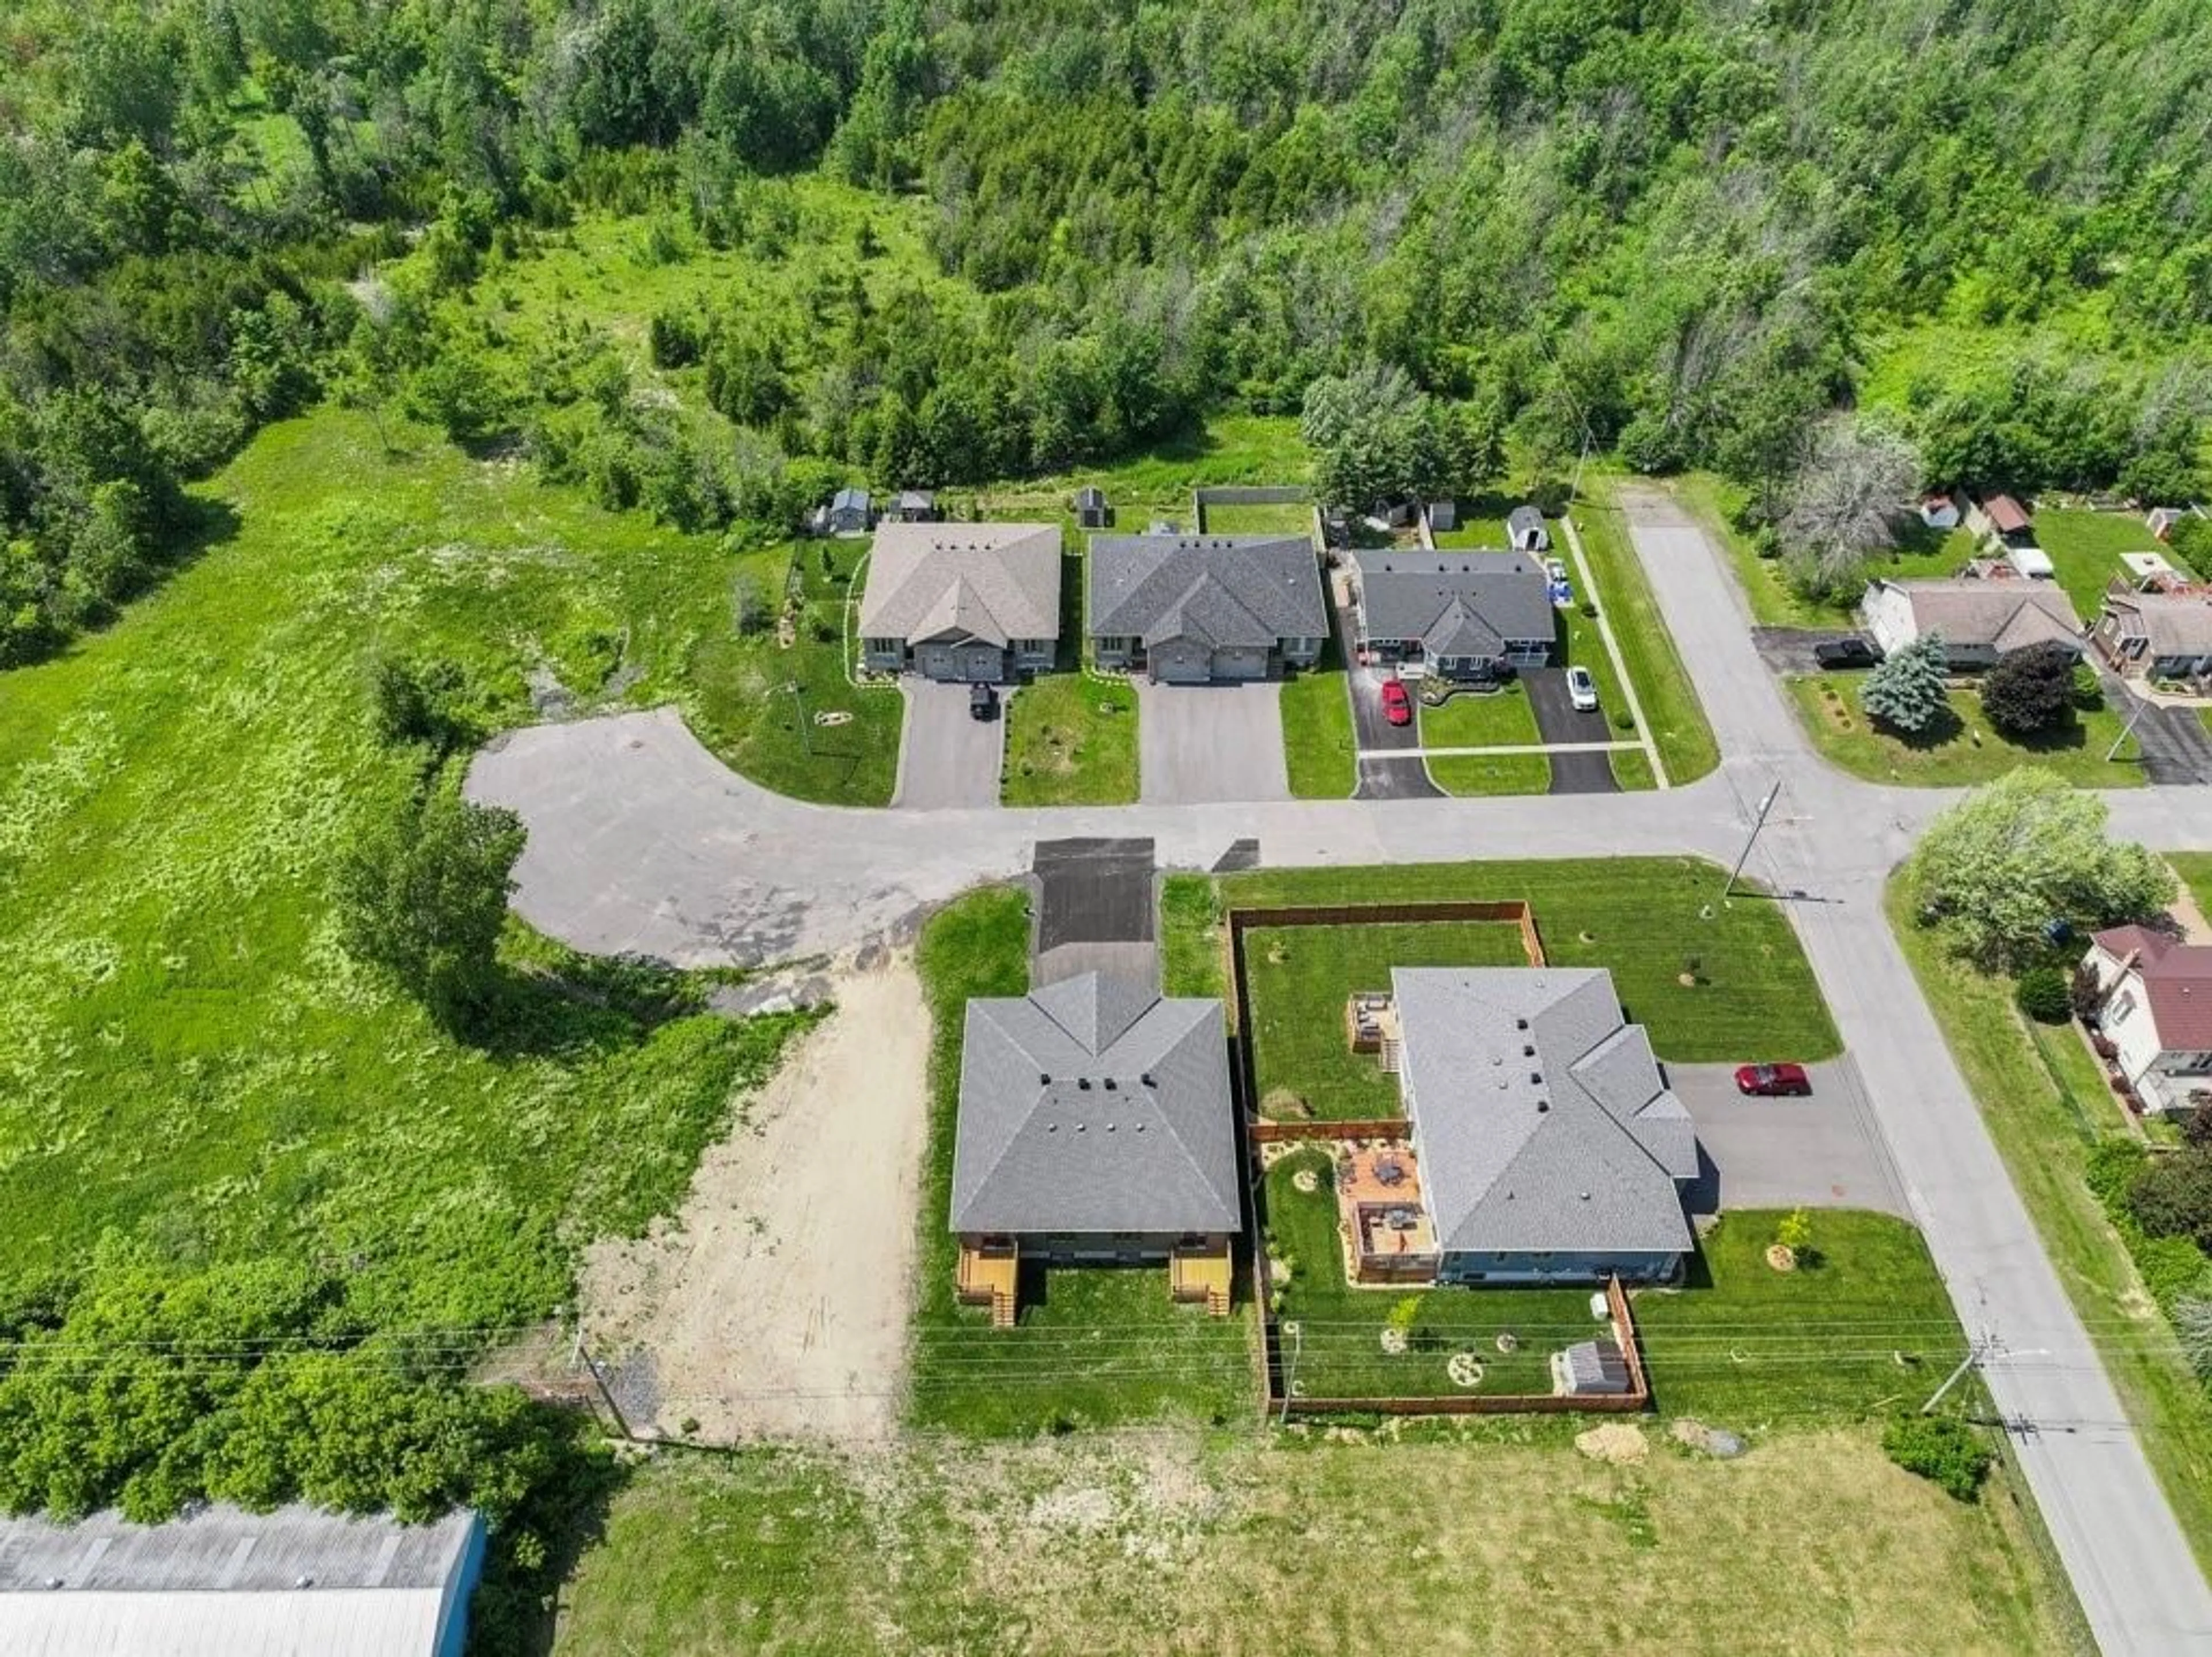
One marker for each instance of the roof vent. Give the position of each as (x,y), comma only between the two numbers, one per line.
(303,1582)
(1140,1127)
(1147,1079)
(1535,1078)
(1080,1128)
(1052,1127)
(1109,1127)
(53,1581)
(1082,1084)
(1585,1197)
(1110,1084)
(1520,1024)
(1542,1106)
(1045,1078)
(1527,1051)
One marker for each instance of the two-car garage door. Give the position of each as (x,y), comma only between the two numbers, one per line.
(1179,661)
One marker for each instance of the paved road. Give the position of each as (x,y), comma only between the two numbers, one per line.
(947,756)
(1822,1152)
(1202,744)
(639,839)
(1557,721)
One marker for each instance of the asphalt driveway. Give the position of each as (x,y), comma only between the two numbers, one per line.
(1790,649)
(1820,1152)
(1558,722)
(1210,744)
(946,756)
(1094,911)
(1390,764)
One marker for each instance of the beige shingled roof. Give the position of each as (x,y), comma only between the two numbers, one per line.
(991,581)
(2006,615)
(2176,624)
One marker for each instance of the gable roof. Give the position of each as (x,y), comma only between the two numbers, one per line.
(1521,520)
(991,581)
(1456,599)
(2177,981)
(1224,589)
(2176,624)
(1090,495)
(1574,1146)
(224,1581)
(2006,516)
(2004,615)
(1095,1104)
(848,498)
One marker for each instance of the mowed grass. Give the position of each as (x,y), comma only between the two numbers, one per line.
(1338,1346)
(188,1059)
(2045,1111)
(1273,518)
(2086,548)
(1095,1346)
(1490,773)
(1652,921)
(1498,1537)
(1300,977)
(1070,741)
(1157,482)
(1965,749)
(1500,718)
(2195,869)
(1618,584)
(1319,750)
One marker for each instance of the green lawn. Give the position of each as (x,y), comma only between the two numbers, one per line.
(1650,920)
(1500,718)
(1337,1342)
(1466,774)
(1286,518)
(1484,534)
(190,1063)
(1095,1346)
(739,694)
(2195,869)
(1300,977)
(1163,1544)
(1736,1346)
(2086,547)
(1157,482)
(1965,749)
(1318,747)
(2045,1109)
(1684,741)
(1070,741)
(1632,769)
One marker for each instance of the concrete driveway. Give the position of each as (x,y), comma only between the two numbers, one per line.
(1558,722)
(1210,744)
(947,756)
(1821,1152)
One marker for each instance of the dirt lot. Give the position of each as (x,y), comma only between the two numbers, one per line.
(776,1303)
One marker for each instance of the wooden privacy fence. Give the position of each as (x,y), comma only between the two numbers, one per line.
(1285,1133)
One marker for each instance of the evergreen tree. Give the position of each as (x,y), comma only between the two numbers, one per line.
(1907,692)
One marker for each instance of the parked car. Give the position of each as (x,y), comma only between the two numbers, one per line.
(982,702)
(1846,653)
(1774,1080)
(1581,689)
(1397,706)
(1555,570)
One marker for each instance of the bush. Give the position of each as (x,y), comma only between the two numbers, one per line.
(2085,993)
(2031,692)
(1941,1449)
(2171,1196)
(2044,995)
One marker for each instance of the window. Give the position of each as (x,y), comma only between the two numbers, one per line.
(2124,1006)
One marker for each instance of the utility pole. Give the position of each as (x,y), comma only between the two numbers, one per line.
(1291,1369)
(1751,840)
(1976,1351)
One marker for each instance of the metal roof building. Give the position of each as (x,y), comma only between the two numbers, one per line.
(223,1582)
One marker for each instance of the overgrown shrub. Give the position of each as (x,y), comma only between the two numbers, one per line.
(1946,1452)
(2044,995)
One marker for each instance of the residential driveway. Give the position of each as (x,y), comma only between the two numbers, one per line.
(1790,649)
(1094,910)
(1210,744)
(1390,765)
(1820,1152)
(946,756)
(2176,749)
(1558,722)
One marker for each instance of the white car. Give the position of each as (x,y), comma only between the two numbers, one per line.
(1581,689)
(1555,569)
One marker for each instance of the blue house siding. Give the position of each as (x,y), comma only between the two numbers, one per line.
(1468,1266)
(454,1620)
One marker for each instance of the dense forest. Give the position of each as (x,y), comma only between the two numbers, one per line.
(1666,228)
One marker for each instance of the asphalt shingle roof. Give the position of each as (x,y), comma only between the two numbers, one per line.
(1539,1116)
(1454,602)
(2176,624)
(991,581)
(1095,1104)
(1224,589)
(2177,981)
(2004,615)
(1521,520)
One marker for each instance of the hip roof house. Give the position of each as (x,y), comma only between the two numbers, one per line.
(979,602)
(227,1583)
(1193,608)
(1550,1148)
(1464,615)
(1095,1124)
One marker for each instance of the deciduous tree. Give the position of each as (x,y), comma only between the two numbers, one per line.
(1844,502)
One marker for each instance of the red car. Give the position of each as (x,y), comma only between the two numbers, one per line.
(1397,706)
(1774,1080)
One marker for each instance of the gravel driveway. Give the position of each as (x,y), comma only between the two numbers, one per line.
(1210,744)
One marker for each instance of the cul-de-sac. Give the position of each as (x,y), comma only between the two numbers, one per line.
(836,826)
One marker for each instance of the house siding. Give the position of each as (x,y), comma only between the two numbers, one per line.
(1106,1248)
(1476,1266)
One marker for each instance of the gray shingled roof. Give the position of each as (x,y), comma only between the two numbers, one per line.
(1454,602)
(1523,518)
(849,496)
(2177,624)
(1574,1146)
(1094,1104)
(991,581)
(1224,590)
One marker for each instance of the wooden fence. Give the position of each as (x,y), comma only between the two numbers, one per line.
(1286,1133)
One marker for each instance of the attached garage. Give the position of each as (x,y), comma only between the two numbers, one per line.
(1240,662)
(973,662)
(1180,662)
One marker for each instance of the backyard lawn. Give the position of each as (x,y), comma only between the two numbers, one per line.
(1318,748)
(2046,1110)
(2086,547)
(1095,1346)
(1653,921)
(1070,741)
(1965,749)
(1300,977)
(1685,743)
(1157,482)
(1281,518)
